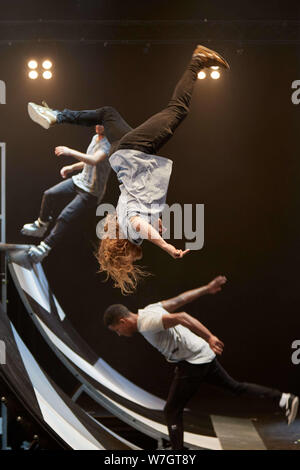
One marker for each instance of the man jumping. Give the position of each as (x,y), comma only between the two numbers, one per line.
(185,341)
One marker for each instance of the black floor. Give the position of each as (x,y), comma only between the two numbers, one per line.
(268,420)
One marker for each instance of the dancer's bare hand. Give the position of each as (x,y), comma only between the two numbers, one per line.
(176,253)
(65,171)
(216,345)
(216,284)
(63,151)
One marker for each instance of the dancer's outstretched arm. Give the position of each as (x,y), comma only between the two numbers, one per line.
(184,319)
(147,231)
(82,157)
(186,297)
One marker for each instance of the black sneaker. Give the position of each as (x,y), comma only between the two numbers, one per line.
(291,408)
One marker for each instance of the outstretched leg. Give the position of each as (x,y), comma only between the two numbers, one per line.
(115,127)
(218,376)
(287,401)
(150,136)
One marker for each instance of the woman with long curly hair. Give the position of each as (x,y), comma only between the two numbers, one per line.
(116,256)
(143,175)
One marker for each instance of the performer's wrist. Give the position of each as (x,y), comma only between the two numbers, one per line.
(166,246)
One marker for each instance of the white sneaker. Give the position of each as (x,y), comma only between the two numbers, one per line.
(36,229)
(42,115)
(39,252)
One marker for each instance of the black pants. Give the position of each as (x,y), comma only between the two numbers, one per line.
(150,136)
(187,379)
(75,203)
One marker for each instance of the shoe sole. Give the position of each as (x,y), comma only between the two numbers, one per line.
(224,63)
(294,410)
(30,234)
(37,117)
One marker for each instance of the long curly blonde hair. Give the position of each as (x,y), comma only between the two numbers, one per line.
(116,256)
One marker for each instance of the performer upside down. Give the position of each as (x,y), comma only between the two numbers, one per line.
(143,175)
(76,195)
(186,342)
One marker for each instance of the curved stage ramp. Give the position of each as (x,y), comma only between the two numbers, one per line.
(103,384)
(61,419)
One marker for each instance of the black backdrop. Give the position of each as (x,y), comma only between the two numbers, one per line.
(237,152)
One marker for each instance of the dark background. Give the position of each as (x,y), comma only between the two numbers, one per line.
(237,153)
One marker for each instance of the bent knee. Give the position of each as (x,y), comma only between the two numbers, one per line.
(48,193)
(108,110)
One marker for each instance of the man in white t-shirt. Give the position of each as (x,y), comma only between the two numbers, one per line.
(76,195)
(185,341)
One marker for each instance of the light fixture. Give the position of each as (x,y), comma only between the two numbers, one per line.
(215,74)
(33,74)
(47,64)
(201,75)
(47,74)
(41,68)
(32,64)
(215,67)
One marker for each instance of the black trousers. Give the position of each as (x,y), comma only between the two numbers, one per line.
(74,202)
(150,136)
(187,380)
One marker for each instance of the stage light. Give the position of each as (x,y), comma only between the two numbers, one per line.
(41,68)
(47,75)
(47,64)
(33,74)
(215,67)
(201,75)
(215,74)
(32,64)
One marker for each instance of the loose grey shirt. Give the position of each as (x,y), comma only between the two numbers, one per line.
(144,181)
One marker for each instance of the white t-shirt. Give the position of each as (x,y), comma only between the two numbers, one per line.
(93,178)
(177,343)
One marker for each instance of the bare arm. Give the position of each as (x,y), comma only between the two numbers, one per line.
(66,170)
(148,232)
(77,166)
(189,296)
(82,157)
(184,319)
